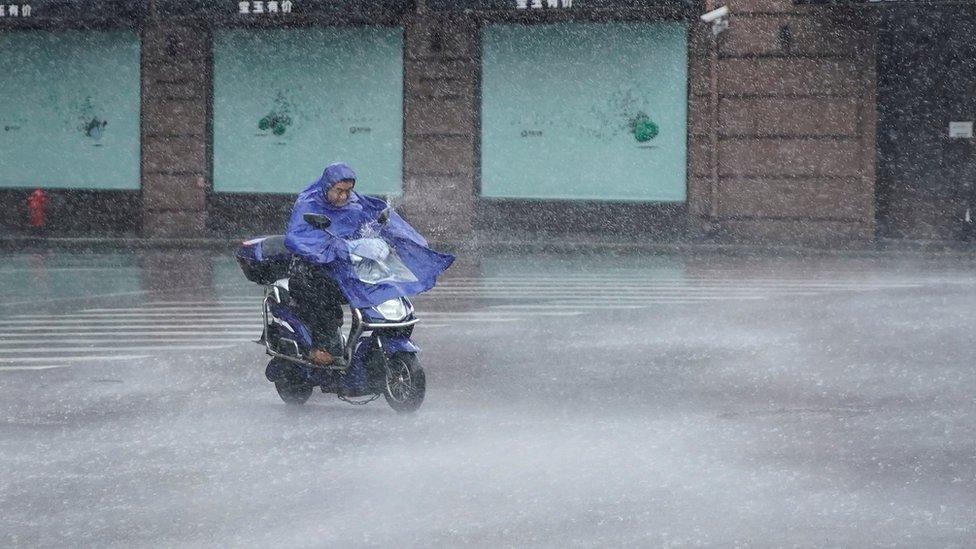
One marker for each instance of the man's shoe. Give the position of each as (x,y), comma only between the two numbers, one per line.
(321,357)
(325,358)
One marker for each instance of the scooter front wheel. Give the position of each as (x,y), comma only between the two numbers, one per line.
(406,383)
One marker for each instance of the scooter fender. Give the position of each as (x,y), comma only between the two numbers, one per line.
(276,370)
(397,344)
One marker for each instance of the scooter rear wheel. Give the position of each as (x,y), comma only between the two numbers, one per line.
(406,383)
(293,393)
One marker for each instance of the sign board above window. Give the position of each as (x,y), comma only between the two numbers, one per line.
(254,10)
(120,11)
(554,5)
(881,2)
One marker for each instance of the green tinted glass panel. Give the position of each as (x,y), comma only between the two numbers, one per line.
(585,111)
(69,114)
(287,102)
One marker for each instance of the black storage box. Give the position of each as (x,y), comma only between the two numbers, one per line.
(265,259)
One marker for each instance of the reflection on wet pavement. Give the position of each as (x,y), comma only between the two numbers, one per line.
(572,400)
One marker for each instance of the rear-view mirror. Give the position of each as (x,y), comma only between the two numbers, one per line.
(318,221)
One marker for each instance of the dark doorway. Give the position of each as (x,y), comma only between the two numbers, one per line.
(926,79)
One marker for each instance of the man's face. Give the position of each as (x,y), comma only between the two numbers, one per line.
(338,195)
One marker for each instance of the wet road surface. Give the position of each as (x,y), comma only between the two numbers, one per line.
(572,400)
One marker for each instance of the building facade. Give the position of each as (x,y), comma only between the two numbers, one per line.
(799,122)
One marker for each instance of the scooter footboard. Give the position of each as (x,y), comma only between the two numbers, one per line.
(280,369)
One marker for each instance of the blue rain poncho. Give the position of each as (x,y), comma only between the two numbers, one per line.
(371,263)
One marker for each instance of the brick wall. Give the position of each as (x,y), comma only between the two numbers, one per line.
(795,124)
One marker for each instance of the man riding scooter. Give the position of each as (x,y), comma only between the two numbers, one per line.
(322,277)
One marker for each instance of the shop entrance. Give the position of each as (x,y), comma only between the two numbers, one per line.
(926,181)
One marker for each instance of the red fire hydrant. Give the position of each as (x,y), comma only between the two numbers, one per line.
(36,206)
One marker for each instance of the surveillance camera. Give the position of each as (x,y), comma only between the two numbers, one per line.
(715,14)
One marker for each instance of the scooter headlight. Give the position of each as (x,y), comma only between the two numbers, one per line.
(394,309)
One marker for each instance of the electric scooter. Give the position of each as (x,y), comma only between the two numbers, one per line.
(380,358)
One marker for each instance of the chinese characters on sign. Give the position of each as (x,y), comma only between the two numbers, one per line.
(539,4)
(264,6)
(15,10)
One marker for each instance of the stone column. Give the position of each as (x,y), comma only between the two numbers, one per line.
(176,83)
(441,76)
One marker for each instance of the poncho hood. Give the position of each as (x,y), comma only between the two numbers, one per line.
(335,173)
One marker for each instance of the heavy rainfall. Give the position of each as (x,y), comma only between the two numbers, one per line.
(487,273)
